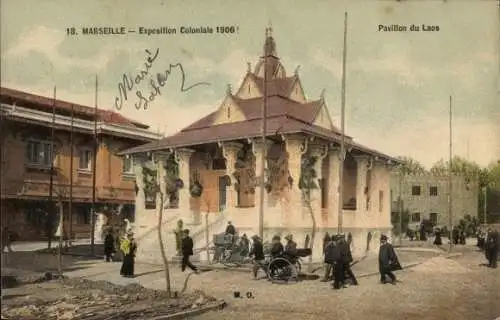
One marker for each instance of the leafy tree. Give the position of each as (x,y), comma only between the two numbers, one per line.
(411,166)
(494,175)
(459,166)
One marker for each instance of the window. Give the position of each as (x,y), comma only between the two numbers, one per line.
(39,153)
(127,165)
(415,190)
(229,112)
(415,217)
(85,159)
(380,201)
(434,217)
(433,191)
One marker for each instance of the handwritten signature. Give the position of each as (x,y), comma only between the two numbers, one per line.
(128,83)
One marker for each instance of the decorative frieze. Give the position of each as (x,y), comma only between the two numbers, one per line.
(140,199)
(182,157)
(361,187)
(230,153)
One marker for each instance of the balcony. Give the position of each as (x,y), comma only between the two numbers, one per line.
(33,189)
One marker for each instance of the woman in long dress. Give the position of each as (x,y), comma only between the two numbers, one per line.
(128,247)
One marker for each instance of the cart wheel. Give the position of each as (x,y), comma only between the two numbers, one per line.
(298,266)
(281,270)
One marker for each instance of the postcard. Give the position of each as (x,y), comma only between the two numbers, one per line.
(334,147)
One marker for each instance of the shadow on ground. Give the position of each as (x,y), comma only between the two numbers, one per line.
(78,249)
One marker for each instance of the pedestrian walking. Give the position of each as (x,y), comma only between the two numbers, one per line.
(332,254)
(437,240)
(492,248)
(129,247)
(346,258)
(388,261)
(109,245)
(257,253)
(6,239)
(187,251)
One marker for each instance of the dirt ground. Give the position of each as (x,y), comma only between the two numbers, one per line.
(439,289)
(91,300)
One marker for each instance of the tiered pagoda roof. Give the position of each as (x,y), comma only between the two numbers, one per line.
(240,114)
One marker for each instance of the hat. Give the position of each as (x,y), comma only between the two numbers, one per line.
(383,237)
(276,237)
(254,237)
(289,237)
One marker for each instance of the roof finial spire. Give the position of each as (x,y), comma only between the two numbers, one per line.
(297,70)
(229,91)
(269,29)
(322,95)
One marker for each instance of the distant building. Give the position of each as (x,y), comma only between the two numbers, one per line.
(426,197)
(26,159)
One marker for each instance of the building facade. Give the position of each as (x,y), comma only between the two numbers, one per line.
(209,172)
(27,158)
(425,196)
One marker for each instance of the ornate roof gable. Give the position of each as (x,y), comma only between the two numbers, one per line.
(322,117)
(228,111)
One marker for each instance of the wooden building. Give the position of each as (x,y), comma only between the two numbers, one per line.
(26,132)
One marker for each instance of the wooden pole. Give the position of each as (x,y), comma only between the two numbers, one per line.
(71,164)
(50,215)
(400,208)
(450,201)
(207,239)
(264,146)
(342,128)
(94,167)
(61,234)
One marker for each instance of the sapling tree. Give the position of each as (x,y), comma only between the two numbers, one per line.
(307,183)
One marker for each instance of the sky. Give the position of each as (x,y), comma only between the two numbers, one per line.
(398,83)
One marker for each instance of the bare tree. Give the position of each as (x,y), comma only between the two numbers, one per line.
(307,183)
(162,245)
(152,189)
(60,192)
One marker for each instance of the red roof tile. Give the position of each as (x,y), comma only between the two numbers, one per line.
(276,106)
(248,129)
(45,102)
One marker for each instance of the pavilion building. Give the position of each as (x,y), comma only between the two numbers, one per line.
(209,172)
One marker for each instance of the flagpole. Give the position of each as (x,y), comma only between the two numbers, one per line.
(50,216)
(264,145)
(450,202)
(71,157)
(94,168)
(342,128)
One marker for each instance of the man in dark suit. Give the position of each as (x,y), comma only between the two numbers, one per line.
(257,253)
(492,247)
(187,252)
(346,256)
(388,261)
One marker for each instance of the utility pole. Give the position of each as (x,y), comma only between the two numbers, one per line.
(94,168)
(450,184)
(485,205)
(400,207)
(50,215)
(71,157)
(342,127)
(264,142)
